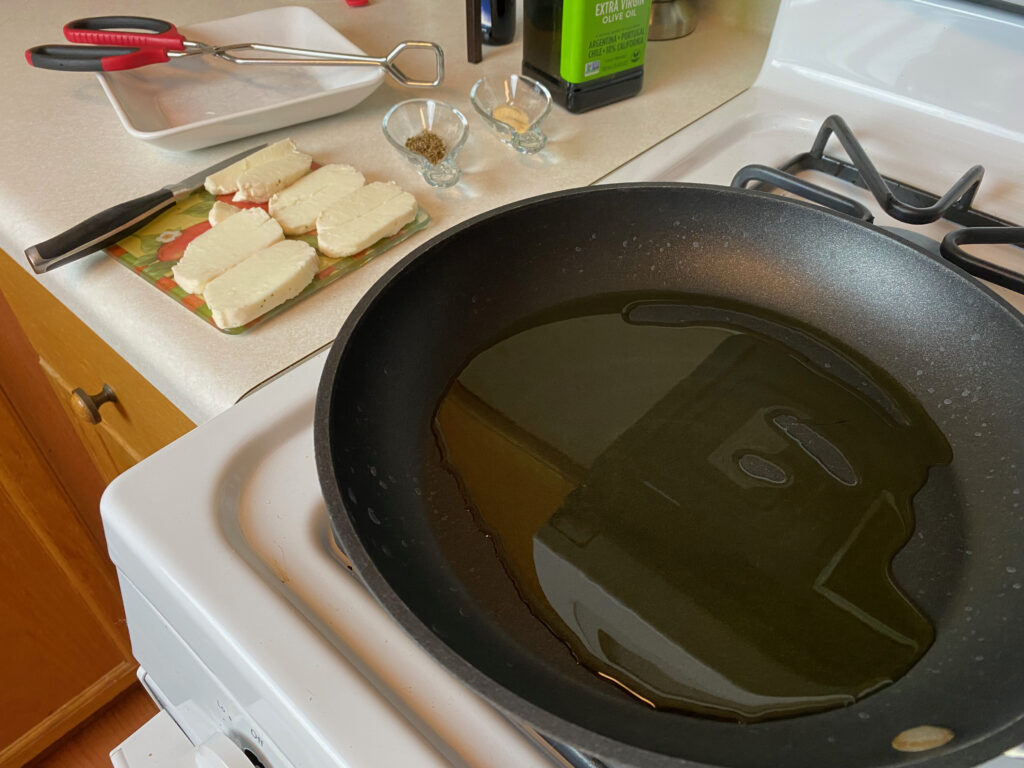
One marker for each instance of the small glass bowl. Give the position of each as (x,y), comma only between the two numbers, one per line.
(408,119)
(514,107)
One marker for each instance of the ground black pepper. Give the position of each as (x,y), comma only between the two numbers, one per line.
(428,144)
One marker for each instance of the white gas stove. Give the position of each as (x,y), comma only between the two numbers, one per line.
(255,639)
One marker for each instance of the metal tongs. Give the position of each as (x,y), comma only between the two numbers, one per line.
(387,63)
(108,46)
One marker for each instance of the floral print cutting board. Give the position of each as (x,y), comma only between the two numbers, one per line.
(151,251)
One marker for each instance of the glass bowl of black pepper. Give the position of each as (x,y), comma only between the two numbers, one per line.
(514,107)
(429,134)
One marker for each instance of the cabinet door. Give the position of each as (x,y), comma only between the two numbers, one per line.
(139,423)
(64,649)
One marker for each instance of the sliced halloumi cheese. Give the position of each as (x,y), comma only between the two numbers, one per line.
(226,179)
(361,201)
(220,211)
(262,281)
(367,215)
(259,183)
(297,207)
(221,247)
(381,222)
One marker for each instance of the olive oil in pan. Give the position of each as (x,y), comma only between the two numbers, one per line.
(704,515)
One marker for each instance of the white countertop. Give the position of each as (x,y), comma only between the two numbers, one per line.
(65,156)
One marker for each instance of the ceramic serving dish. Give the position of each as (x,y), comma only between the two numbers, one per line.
(197,101)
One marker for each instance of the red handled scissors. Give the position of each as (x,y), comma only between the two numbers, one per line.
(111,43)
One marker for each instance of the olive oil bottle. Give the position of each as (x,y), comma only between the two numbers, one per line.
(588,53)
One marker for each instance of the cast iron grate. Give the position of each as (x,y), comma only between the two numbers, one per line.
(902,201)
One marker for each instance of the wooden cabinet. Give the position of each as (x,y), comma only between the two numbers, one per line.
(72,357)
(64,649)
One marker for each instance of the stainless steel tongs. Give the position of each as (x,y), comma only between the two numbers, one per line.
(307,57)
(111,44)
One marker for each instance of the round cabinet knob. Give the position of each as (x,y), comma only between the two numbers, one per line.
(88,406)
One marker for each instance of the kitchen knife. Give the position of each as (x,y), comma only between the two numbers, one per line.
(109,226)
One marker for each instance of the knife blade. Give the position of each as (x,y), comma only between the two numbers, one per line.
(109,226)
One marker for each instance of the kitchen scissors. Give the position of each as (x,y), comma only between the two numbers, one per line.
(111,43)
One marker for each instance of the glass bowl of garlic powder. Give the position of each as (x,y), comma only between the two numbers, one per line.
(514,107)
(429,134)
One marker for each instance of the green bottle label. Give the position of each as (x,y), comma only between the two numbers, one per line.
(602,37)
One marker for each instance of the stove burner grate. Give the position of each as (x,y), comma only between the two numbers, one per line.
(901,201)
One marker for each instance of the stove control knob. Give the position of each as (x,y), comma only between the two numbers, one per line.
(219,751)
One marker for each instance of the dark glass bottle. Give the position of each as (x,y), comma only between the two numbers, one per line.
(587,52)
(498,21)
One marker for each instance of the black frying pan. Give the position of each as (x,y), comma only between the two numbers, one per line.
(934,329)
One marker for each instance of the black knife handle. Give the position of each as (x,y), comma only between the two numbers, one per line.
(99,231)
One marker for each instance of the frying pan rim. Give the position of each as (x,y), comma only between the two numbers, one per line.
(505,700)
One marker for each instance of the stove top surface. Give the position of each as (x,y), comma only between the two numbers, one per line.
(225,532)
(264,568)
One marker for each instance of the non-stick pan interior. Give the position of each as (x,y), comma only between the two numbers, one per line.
(951,344)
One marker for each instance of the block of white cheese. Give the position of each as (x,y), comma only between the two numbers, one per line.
(220,211)
(226,179)
(221,247)
(258,184)
(363,217)
(262,281)
(297,207)
(363,200)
